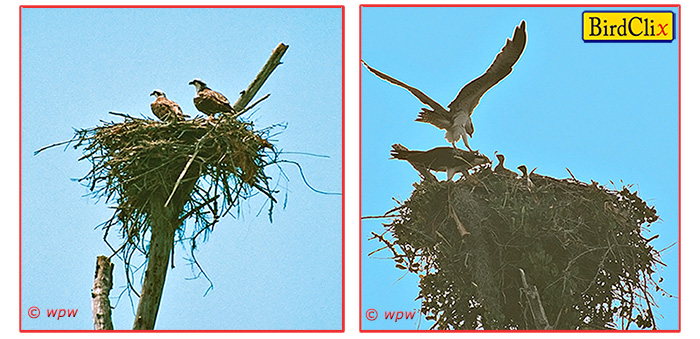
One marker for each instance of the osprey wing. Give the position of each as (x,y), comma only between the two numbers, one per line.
(220,99)
(469,96)
(426,100)
(178,111)
(160,111)
(167,110)
(399,151)
(211,102)
(437,159)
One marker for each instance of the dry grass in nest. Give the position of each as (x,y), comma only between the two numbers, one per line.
(580,244)
(138,163)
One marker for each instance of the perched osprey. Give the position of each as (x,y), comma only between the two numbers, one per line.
(208,101)
(456,119)
(440,159)
(166,109)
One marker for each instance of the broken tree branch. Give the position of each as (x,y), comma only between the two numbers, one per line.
(101,308)
(262,76)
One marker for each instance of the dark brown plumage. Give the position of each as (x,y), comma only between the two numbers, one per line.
(440,159)
(501,163)
(166,109)
(456,119)
(501,168)
(209,101)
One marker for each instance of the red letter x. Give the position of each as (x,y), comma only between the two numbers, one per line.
(662,28)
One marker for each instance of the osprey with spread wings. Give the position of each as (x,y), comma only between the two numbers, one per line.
(456,119)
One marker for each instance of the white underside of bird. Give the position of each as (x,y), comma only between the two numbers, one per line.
(458,130)
(456,118)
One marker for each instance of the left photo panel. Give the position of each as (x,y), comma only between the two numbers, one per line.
(181,169)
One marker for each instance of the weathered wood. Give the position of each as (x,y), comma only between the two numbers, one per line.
(164,221)
(101,308)
(262,76)
(162,235)
(535,305)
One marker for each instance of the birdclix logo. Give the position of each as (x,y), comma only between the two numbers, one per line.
(657,26)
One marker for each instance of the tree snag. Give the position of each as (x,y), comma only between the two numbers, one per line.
(101,308)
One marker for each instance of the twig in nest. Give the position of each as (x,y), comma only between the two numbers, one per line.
(187,166)
(388,244)
(252,105)
(460,227)
(390,216)
(56,144)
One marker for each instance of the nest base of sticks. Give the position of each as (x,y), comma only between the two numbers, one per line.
(473,241)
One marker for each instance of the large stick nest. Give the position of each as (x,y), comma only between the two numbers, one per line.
(200,167)
(580,244)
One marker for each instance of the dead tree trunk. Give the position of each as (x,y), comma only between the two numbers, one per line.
(165,219)
(162,236)
(101,308)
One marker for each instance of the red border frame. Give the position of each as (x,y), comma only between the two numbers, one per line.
(678,6)
(342,330)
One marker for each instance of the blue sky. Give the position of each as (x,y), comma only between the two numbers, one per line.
(79,64)
(604,110)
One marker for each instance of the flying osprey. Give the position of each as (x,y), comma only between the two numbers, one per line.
(208,101)
(440,159)
(456,119)
(166,109)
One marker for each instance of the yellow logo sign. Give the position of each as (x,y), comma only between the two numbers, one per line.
(628,26)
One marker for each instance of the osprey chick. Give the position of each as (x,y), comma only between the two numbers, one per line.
(165,109)
(440,159)
(208,101)
(526,175)
(501,168)
(456,119)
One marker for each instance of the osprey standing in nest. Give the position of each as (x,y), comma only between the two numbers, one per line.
(501,168)
(165,109)
(439,159)
(208,101)
(456,119)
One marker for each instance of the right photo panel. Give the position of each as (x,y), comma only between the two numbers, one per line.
(520,168)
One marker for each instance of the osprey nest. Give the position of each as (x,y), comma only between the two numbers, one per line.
(199,167)
(494,252)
